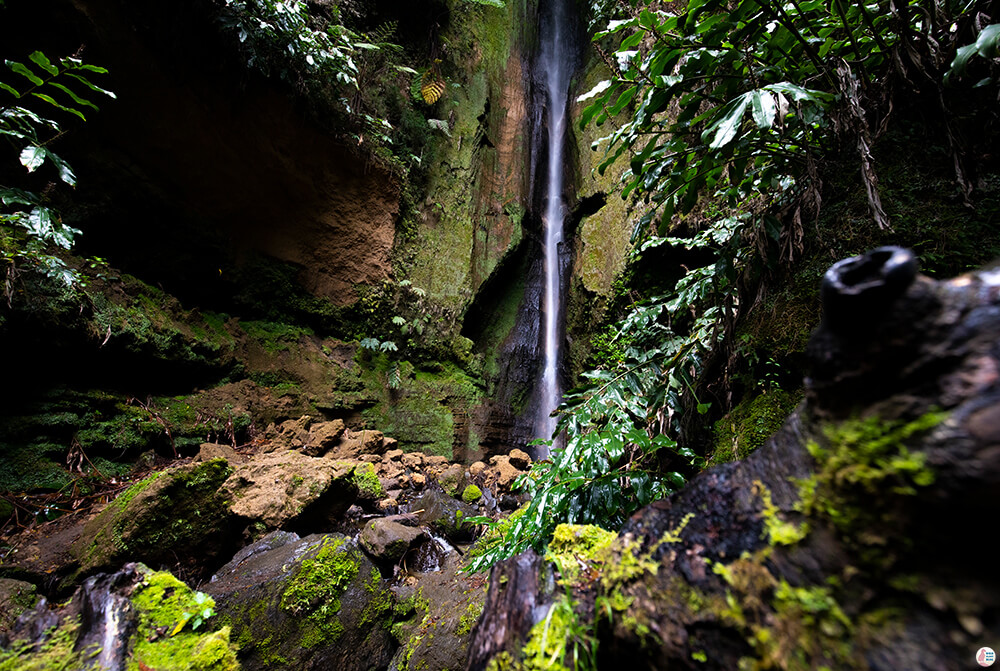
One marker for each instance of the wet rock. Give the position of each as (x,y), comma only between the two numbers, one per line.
(452,479)
(135,618)
(170,514)
(436,614)
(444,514)
(387,541)
(314,603)
(278,488)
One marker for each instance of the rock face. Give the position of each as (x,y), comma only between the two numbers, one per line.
(850,540)
(310,603)
(179,508)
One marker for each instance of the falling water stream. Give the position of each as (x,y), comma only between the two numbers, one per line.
(555,64)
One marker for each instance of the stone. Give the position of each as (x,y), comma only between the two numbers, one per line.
(437,612)
(16,596)
(444,514)
(370,458)
(322,437)
(209,451)
(393,455)
(519,459)
(387,541)
(276,489)
(161,518)
(291,434)
(452,479)
(315,603)
(355,443)
(413,460)
(120,621)
(476,468)
(501,474)
(391,445)
(418,480)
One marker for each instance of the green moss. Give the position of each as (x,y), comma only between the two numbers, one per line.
(314,591)
(751,423)
(778,531)
(572,544)
(469,618)
(366,480)
(471,494)
(165,604)
(863,467)
(273,336)
(185,509)
(55,653)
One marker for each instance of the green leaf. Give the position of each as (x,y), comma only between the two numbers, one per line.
(86,82)
(24,71)
(33,156)
(39,59)
(52,101)
(764,108)
(10,90)
(727,126)
(77,99)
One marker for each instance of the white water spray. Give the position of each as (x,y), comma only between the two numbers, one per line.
(555,66)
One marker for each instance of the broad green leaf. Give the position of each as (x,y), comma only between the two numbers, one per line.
(764,108)
(77,99)
(727,126)
(33,156)
(86,82)
(24,71)
(39,59)
(65,172)
(10,90)
(599,88)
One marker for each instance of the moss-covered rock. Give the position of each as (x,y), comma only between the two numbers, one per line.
(750,423)
(16,596)
(316,602)
(161,517)
(134,619)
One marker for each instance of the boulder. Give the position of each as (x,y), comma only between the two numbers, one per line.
(444,514)
(313,603)
(519,459)
(435,615)
(452,480)
(322,437)
(16,596)
(278,488)
(209,451)
(163,518)
(387,541)
(355,443)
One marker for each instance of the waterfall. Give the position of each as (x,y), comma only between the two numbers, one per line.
(555,66)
